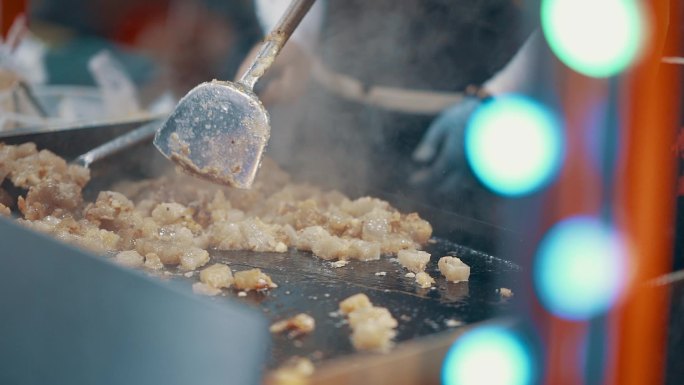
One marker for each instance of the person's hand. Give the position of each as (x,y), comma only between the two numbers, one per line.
(441,151)
(287,78)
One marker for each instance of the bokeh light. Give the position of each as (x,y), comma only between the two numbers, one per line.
(514,145)
(598,38)
(581,268)
(491,355)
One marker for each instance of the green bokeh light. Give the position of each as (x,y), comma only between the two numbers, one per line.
(598,38)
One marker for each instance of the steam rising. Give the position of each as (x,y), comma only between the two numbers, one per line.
(418,45)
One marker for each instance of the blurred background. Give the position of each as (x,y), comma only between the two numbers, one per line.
(622,161)
(163,44)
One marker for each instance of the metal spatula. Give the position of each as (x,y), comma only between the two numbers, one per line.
(219,130)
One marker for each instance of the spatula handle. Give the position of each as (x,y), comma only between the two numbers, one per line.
(275,41)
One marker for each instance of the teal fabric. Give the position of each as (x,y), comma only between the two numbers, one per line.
(67,64)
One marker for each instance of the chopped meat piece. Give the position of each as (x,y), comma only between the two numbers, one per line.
(355,302)
(307,237)
(364,205)
(173,219)
(372,336)
(193,258)
(424,280)
(453,269)
(81,233)
(294,372)
(225,236)
(253,279)
(4,210)
(300,324)
(505,293)
(363,251)
(330,247)
(217,275)
(168,253)
(170,213)
(373,328)
(50,197)
(377,227)
(31,168)
(413,260)
(153,262)
(259,236)
(111,210)
(379,315)
(129,258)
(419,229)
(204,289)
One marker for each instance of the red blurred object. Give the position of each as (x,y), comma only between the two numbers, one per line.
(137,19)
(9,10)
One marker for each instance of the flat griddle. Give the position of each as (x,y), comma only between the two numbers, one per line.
(311,285)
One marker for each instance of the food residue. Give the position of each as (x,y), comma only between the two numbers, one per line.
(300,324)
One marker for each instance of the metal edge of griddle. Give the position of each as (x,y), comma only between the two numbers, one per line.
(49,129)
(413,362)
(77,318)
(75,140)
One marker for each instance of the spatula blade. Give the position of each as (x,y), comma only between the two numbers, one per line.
(218,131)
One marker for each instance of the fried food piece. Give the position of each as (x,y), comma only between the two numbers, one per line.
(129,258)
(4,210)
(300,324)
(50,197)
(424,280)
(414,260)
(153,262)
(81,233)
(27,167)
(173,219)
(204,289)
(253,279)
(217,275)
(453,269)
(505,293)
(373,328)
(111,210)
(372,336)
(193,258)
(379,315)
(294,372)
(355,302)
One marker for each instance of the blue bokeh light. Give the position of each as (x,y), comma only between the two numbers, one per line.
(581,268)
(491,355)
(576,32)
(514,145)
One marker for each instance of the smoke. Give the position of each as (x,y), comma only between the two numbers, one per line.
(415,44)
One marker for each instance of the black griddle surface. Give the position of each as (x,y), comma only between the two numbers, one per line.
(311,285)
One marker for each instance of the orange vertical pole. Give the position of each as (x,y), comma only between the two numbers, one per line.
(578,192)
(646,197)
